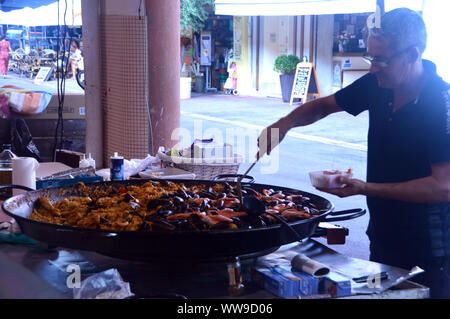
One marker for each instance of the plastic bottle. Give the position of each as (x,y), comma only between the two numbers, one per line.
(116,167)
(6,157)
(84,162)
(91,161)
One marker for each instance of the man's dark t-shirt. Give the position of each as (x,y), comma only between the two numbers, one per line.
(402,146)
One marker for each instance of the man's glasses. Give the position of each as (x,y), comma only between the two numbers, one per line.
(382,61)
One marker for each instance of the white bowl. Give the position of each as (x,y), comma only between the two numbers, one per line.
(322,180)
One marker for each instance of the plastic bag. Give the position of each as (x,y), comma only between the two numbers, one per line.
(104,285)
(26,101)
(22,141)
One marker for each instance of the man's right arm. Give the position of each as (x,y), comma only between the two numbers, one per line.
(313,111)
(303,115)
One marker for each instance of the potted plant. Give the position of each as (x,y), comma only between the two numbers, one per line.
(286,65)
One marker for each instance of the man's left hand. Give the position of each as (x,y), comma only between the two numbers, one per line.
(352,187)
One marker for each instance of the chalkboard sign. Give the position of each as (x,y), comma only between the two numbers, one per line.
(305,82)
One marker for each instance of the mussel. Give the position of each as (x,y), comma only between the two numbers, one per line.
(161,224)
(153,203)
(196,221)
(128,197)
(177,200)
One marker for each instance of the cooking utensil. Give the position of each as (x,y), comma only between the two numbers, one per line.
(255,207)
(175,245)
(239,182)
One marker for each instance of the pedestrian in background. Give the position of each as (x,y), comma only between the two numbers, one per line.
(5,49)
(76,58)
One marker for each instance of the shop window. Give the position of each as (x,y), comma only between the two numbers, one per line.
(350,33)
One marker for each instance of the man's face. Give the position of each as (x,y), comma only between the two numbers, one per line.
(390,67)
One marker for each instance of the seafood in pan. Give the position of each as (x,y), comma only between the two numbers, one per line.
(168,206)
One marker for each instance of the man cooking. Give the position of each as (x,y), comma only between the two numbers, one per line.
(408,166)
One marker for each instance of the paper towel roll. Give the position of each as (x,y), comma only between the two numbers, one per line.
(24,173)
(312,267)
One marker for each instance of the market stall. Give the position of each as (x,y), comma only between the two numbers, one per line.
(178,256)
(51,268)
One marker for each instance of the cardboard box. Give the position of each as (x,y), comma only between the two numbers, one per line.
(74,108)
(335,285)
(69,158)
(283,282)
(273,282)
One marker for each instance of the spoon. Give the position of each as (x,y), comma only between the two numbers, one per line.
(254,207)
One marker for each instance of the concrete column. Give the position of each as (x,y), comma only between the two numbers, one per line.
(91,50)
(324,49)
(164,70)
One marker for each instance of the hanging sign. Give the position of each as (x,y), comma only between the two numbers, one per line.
(305,82)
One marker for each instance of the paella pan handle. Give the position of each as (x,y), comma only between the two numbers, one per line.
(345,215)
(236,177)
(5,196)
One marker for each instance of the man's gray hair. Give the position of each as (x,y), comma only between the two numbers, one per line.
(404,28)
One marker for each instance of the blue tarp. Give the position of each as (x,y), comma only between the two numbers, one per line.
(8,5)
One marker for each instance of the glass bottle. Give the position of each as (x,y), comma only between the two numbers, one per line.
(236,287)
(6,157)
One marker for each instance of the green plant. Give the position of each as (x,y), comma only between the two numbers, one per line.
(286,64)
(193,14)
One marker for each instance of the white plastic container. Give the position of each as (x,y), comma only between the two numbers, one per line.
(167,173)
(209,150)
(328,178)
(24,173)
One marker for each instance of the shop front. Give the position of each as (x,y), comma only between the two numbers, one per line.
(329,34)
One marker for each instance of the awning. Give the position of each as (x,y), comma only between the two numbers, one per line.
(45,15)
(292,7)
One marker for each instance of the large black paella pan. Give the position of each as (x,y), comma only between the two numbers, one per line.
(174,244)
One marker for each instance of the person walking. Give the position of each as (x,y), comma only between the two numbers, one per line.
(5,49)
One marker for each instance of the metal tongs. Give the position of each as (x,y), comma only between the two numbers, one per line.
(239,181)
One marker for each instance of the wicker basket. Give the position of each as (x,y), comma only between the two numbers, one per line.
(203,168)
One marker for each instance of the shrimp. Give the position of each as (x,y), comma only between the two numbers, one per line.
(214,220)
(229,202)
(227,212)
(293,214)
(181,216)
